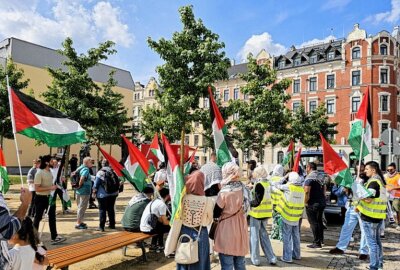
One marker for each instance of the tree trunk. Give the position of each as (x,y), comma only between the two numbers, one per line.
(110,149)
(182,148)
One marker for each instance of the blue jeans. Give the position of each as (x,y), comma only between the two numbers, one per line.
(258,233)
(372,233)
(291,242)
(204,262)
(229,262)
(352,218)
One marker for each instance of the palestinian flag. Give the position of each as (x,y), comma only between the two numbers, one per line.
(219,131)
(289,156)
(43,123)
(360,136)
(137,165)
(176,183)
(156,149)
(4,181)
(119,170)
(335,166)
(297,160)
(188,163)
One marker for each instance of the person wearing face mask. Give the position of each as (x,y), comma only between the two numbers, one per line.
(352,218)
(373,213)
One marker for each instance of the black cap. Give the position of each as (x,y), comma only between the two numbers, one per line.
(148,189)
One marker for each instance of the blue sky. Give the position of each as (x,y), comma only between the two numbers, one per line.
(243,25)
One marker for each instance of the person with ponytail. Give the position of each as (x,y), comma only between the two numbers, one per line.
(25,250)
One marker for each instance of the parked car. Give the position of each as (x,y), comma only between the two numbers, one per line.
(331,199)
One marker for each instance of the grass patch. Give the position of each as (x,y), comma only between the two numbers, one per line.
(16,179)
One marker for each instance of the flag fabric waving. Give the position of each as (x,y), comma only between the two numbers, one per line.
(176,183)
(219,131)
(360,136)
(335,166)
(4,181)
(43,123)
(289,156)
(156,149)
(137,165)
(297,160)
(188,164)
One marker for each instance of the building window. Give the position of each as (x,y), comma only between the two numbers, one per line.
(384,76)
(331,55)
(206,103)
(355,78)
(330,106)
(312,105)
(296,86)
(356,53)
(236,116)
(296,105)
(384,126)
(217,94)
(196,140)
(236,93)
(226,94)
(355,104)
(312,84)
(383,49)
(313,58)
(330,81)
(187,139)
(384,103)
(151,93)
(282,64)
(280,157)
(297,61)
(246,96)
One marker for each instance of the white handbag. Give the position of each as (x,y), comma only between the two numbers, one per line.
(187,252)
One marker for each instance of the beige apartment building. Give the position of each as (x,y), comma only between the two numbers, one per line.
(34,59)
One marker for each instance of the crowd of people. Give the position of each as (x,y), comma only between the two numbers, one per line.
(218,210)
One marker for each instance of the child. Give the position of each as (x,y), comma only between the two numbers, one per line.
(25,251)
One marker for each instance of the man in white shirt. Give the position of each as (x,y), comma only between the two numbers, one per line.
(157,207)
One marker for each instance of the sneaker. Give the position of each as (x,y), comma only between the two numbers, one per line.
(93,206)
(297,259)
(153,248)
(67,211)
(398,227)
(111,227)
(285,261)
(314,246)
(363,257)
(273,261)
(100,229)
(382,235)
(58,239)
(336,251)
(160,249)
(81,226)
(171,256)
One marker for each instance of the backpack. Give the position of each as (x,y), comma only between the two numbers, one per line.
(75,177)
(110,182)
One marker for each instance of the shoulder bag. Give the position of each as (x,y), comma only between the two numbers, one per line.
(214,225)
(187,252)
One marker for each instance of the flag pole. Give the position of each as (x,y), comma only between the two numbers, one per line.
(14,129)
(362,144)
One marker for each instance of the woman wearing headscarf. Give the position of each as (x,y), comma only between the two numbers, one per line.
(276,178)
(196,215)
(231,236)
(261,210)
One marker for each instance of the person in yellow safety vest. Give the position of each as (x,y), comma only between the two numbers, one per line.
(276,177)
(373,213)
(261,210)
(291,207)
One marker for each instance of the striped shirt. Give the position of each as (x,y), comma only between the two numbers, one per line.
(9,225)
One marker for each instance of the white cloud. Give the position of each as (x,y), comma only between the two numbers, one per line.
(258,42)
(391,16)
(335,4)
(316,41)
(65,18)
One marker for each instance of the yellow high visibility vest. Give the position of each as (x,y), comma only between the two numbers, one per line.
(276,194)
(264,210)
(292,208)
(377,207)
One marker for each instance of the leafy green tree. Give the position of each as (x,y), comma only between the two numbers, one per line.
(305,127)
(17,82)
(97,108)
(193,60)
(264,116)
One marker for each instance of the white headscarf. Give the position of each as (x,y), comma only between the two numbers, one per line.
(294,178)
(278,170)
(230,172)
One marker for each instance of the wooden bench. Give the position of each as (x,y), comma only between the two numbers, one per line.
(62,257)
